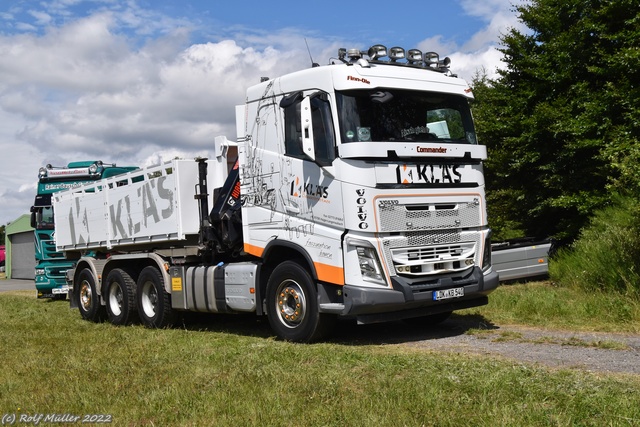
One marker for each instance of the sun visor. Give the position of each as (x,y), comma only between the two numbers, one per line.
(385,150)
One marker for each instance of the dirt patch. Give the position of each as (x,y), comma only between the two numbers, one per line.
(591,351)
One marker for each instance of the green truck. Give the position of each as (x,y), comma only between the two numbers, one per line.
(51,265)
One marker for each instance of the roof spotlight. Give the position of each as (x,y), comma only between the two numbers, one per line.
(431,58)
(377,51)
(354,54)
(396,53)
(414,56)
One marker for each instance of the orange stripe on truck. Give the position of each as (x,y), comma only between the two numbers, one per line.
(326,273)
(329,273)
(253,250)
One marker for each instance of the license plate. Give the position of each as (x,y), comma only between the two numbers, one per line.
(60,290)
(448,293)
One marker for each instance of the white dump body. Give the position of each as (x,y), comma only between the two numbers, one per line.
(150,205)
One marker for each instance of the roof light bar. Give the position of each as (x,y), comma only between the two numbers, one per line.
(396,55)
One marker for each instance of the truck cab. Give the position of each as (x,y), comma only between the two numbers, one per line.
(51,265)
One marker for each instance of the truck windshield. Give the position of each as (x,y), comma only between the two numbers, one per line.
(42,213)
(44,218)
(404,116)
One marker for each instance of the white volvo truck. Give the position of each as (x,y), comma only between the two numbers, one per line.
(358,193)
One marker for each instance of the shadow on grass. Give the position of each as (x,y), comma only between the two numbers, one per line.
(346,332)
(349,333)
(243,324)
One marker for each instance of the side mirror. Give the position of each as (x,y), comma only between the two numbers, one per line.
(33,218)
(308,145)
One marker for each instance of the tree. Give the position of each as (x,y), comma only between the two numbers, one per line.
(562,120)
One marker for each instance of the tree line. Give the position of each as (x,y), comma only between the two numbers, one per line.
(562,119)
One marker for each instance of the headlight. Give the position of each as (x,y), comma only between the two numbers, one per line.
(369,263)
(39,271)
(486,256)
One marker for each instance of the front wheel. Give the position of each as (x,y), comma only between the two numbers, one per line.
(120,297)
(154,302)
(88,298)
(292,305)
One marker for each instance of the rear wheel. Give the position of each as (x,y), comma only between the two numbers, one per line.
(292,305)
(88,298)
(120,297)
(154,302)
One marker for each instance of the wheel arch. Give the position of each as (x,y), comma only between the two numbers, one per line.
(278,251)
(95,267)
(133,264)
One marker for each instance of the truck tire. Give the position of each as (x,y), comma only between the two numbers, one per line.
(292,305)
(154,302)
(120,296)
(88,298)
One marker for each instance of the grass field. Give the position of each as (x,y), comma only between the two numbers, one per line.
(232,372)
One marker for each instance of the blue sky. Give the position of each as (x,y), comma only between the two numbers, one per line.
(138,82)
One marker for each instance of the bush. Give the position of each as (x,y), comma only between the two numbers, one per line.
(606,256)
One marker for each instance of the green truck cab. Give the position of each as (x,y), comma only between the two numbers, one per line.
(51,265)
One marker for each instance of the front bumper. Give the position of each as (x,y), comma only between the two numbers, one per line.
(51,290)
(370,305)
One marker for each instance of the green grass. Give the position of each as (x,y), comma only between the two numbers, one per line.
(606,256)
(542,304)
(232,372)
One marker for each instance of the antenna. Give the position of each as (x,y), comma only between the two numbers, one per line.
(313,64)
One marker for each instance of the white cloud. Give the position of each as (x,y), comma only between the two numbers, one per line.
(83,91)
(41,17)
(126,85)
(486,61)
(479,53)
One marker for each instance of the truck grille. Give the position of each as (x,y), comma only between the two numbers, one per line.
(434,259)
(430,216)
(426,239)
